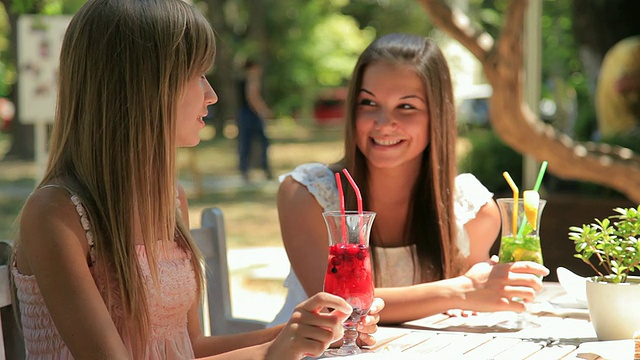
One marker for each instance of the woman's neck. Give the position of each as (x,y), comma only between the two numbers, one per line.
(391,186)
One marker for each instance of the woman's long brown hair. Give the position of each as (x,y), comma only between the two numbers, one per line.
(431,223)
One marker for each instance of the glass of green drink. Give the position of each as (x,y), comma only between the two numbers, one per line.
(520,241)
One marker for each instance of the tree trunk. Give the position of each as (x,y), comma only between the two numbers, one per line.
(513,120)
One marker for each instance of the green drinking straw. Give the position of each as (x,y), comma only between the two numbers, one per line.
(536,187)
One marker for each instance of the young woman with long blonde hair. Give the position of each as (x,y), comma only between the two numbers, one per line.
(104,265)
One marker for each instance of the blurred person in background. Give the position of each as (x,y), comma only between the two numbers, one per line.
(252,113)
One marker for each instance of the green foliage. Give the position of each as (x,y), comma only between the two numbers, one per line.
(314,44)
(335,44)
(613,241)
(386,16)
(7,70)
(488,157)
(305,50)
(46,7)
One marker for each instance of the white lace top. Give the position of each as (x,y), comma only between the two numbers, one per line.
(469,196)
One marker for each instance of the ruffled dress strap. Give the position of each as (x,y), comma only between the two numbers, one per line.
(320,181)
(469,197)
(84,219)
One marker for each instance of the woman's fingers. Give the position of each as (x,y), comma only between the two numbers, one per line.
(311,330)
(376,306)
(529,267)
(365,339)
(369,324)
(322,300)
(460,313)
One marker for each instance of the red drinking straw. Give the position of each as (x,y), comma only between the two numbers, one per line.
(340,193)
(355,188)
(342,207)
(358,196)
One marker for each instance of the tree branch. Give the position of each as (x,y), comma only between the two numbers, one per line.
(515,123)
(458,25)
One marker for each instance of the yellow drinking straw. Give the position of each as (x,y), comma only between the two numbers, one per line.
(516,192)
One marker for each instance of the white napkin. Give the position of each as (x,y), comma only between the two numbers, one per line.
(574,284)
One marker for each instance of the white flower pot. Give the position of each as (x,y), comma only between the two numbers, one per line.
(614,308)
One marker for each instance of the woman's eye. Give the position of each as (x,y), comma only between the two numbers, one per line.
(406,107)
(366,102)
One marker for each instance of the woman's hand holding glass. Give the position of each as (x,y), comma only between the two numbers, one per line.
(491,286)
(311,329)
(368,325)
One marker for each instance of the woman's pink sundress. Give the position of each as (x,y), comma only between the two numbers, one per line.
(168,305)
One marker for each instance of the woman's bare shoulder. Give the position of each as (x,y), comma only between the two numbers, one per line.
(49,222)
(49,204)
(294,193)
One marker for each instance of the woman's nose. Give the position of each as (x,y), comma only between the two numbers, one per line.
(210,96)
(385,119)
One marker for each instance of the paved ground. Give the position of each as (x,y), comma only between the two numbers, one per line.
(256,278)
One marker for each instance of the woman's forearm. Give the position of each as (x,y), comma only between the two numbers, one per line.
(212,345)
(422,300)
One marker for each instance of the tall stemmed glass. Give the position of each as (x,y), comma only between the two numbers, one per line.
(348,272)
(520,241)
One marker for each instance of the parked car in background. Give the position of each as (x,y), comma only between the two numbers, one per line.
(329,107)
(472,104)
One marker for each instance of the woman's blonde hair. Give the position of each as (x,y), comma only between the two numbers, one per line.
(430,223)
(123,66)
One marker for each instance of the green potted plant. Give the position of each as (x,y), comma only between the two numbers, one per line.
(611,244)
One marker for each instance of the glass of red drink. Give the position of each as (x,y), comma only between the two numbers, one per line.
(348,273)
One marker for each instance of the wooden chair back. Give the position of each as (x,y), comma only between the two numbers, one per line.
(216,312)
(11,342)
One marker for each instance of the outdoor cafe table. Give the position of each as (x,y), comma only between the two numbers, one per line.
(564,333)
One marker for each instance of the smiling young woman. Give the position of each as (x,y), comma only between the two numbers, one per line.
(433,230)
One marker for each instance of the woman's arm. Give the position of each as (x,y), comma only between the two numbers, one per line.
(487,286)
(304,234)
(53,247)
(309,332)
(483,232)
(253,93)
(213,345)
(305,239)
